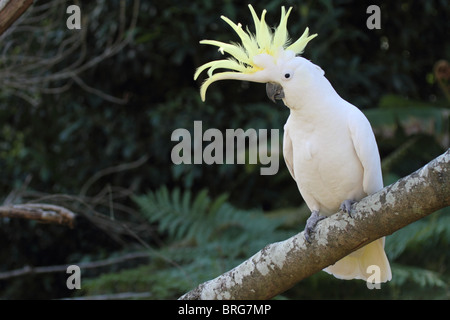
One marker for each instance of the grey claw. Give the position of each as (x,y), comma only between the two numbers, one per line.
(346,206)
(311,224)
(308,232)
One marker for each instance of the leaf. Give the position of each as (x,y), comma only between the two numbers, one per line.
(417,275)
(413,117)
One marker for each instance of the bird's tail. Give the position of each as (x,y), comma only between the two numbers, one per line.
(368,263)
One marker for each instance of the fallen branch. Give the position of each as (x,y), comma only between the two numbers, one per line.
(42,212)
(280,265)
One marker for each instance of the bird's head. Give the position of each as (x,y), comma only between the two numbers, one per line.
(265,57)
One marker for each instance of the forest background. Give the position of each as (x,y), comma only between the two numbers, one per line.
(87,117)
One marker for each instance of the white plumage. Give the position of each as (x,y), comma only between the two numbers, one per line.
(331,152)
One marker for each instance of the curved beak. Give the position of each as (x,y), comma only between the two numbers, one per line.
(274,91)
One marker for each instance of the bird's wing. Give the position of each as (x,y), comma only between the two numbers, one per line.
(288,153)
(366,149)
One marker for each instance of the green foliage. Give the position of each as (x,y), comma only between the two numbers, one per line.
(434,231)
(162,283)
(215,224)
(417,265)
(411,117)
(418,276)
(205,237)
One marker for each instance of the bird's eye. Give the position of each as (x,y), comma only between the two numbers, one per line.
(287,75)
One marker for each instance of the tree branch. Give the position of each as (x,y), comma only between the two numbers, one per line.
(50,62)
(11,12)
(42,212)
(280,265)
(27,270)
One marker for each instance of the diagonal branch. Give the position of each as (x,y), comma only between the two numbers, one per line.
(280,265)
(11,11)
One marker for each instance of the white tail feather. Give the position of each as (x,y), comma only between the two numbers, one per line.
(356,265)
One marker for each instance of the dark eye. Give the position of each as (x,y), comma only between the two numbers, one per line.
(287,75)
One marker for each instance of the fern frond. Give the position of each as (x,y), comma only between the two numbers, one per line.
(420,276)
(430,230)
(204,220)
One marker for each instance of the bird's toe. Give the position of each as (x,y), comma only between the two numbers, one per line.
(311,225)
(346,206)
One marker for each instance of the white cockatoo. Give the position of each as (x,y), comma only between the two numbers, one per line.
(328,146)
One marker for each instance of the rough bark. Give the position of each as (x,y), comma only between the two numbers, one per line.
(280,265)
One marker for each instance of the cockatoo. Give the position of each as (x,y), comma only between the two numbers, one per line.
(328,144)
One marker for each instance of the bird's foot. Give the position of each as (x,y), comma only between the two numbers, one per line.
(311,224)
(346,206)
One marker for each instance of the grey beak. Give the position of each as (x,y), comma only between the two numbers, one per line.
(274,91)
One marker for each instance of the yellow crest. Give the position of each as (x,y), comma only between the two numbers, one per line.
(264,41)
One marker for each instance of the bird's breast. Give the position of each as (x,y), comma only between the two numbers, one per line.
(326,166)
(310,150)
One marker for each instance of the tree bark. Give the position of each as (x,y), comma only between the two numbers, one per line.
(11,12)
(42,212)
(280,265)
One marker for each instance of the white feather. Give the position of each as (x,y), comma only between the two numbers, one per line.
(331,152)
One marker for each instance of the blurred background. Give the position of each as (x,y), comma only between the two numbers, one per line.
(86,121)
